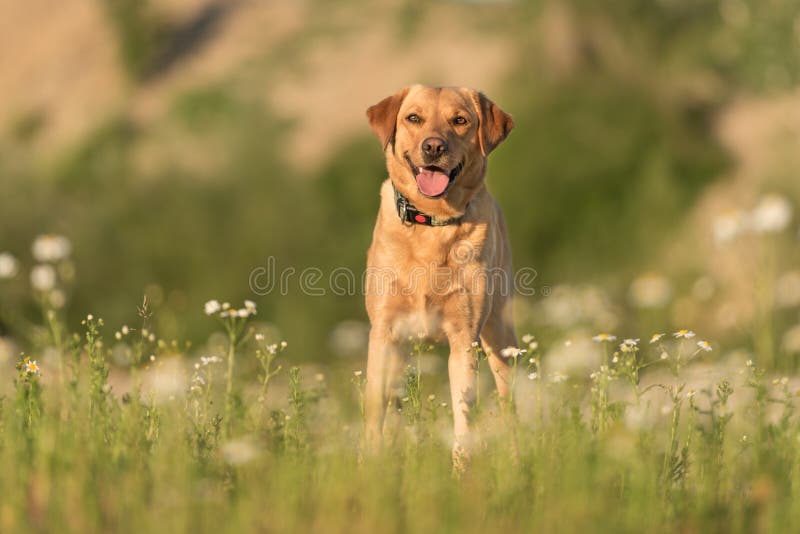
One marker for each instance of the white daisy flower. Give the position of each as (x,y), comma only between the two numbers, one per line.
(705,346)
(629,345)
(527,338)
(212,306)
(604,337)
(9,266)
(51,248)
(32,368)
(512,352)
(683,333)
(43,277)
(772,214)
(655,338)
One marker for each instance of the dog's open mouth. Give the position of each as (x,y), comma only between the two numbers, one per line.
(432,181)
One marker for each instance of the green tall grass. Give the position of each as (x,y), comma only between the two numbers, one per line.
(279,451)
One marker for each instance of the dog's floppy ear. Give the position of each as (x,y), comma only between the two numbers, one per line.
(383,116)
(494,124)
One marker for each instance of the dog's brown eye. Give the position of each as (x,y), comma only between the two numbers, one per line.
(459,121)
(414,118)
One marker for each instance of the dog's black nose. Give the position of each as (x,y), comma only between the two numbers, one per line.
(433,147)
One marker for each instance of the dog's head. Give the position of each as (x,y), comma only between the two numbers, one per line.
(436,139)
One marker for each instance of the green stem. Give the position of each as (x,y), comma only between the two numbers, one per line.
(229,378)
(478,378)
(55,331)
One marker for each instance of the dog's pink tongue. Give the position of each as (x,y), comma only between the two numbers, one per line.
(432,183)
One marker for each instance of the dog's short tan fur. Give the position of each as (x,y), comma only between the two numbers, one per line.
(438,280)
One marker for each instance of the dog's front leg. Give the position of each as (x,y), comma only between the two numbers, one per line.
(382,366)
(463,369)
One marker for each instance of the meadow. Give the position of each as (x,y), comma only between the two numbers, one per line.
(155,155)
(657,434)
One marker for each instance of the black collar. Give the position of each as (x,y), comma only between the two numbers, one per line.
(409,214)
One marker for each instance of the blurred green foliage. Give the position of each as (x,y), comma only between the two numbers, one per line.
(141,34)
(591,179)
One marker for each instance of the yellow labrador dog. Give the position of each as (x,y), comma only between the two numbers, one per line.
(440,261)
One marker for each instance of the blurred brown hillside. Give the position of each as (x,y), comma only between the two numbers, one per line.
(63,71)
(66,76)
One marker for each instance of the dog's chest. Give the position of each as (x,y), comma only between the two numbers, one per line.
(434,281)
(437,267)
